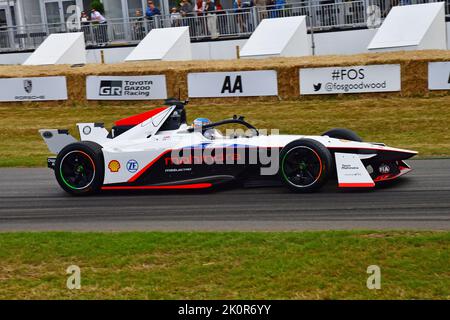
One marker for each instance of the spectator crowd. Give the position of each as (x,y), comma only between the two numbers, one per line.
(205,18)
(208,18)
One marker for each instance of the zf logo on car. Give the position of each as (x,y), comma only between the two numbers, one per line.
(110,88)
(132,166)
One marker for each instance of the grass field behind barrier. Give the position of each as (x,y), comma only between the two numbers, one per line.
(290,265)
(415,123)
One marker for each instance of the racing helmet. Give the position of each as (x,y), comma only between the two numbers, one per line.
(200,122)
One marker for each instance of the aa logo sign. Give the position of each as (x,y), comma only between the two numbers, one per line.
(233,84)
(232,87)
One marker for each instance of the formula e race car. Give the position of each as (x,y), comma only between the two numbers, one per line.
(159,150)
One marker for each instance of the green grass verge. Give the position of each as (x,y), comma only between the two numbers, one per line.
(415,123)
(290,265)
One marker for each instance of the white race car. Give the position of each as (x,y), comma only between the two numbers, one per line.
(158,150)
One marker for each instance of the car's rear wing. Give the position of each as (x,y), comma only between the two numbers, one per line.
(56,139)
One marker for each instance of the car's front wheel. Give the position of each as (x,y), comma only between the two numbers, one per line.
(305,165)
(79,168)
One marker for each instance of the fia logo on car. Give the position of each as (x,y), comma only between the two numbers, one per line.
(132,166)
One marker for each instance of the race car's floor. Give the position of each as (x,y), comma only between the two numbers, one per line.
(30,199)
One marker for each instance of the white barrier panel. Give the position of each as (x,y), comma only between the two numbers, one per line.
(60,48)
(163,44)
(439,75)
(412,27)
(354,79)
(33,89)
(233,84)
(126,87)
(278,37)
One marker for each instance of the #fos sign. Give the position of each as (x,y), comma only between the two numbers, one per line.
(33,89)
(126,87)
(354,79)
(233,84)
(439,75)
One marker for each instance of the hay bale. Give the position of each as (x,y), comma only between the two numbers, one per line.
(414,68)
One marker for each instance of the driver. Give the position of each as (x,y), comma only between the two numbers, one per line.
(209,133)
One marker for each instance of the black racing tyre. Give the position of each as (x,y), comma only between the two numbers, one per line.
(305,165)
(342,133)
(80,169)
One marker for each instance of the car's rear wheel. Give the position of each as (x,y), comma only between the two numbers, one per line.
(305,165)
(79,168)
(342,133)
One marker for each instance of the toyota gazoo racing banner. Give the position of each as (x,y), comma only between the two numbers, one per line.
(233,84)
(33,89)
(126,87)
(353,79)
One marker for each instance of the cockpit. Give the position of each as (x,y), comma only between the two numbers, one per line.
(224,129)
(210,130)
(177,120)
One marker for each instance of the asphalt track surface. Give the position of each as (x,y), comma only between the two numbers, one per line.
(30,199)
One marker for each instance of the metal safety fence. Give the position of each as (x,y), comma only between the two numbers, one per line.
(238,22)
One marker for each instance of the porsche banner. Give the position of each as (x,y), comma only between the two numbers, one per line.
(351,79)
(233,84)
(126,87)
(33,89)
